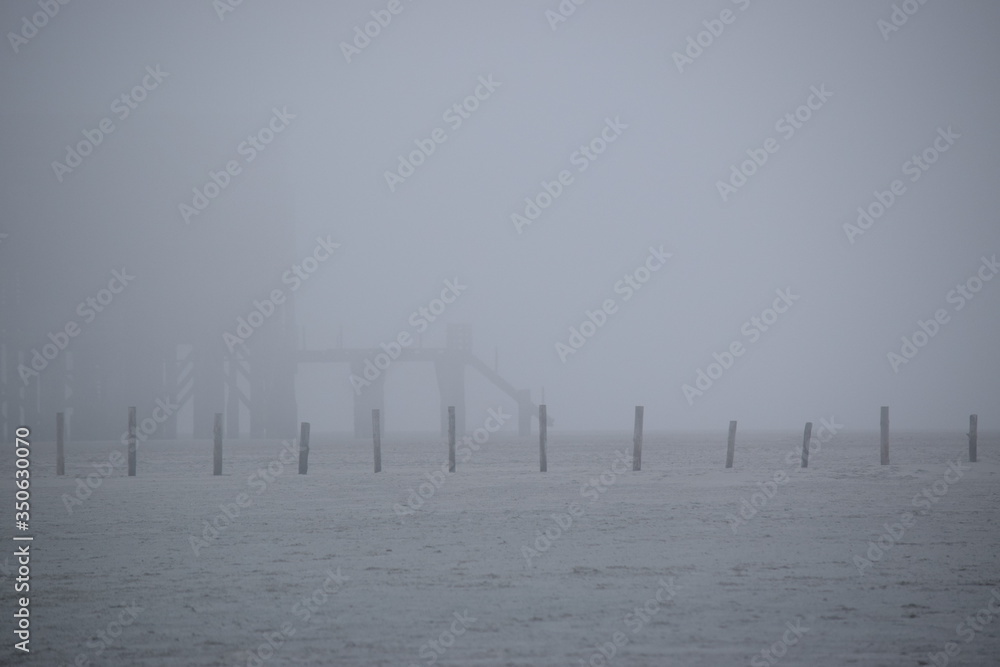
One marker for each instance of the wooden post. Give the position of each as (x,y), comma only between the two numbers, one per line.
(637,440)
(60,452)
(731,447)
(451,438)
(806,437)
(885,435)
(303,448)
(217,448)
(543,434)
(131,441)
(973,429)
(377,437)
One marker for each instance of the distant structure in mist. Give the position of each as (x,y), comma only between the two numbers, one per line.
(158,343)
(146,309)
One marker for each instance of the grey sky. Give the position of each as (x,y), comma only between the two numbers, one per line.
(655,185)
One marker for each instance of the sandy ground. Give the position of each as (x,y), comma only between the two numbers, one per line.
(490,569)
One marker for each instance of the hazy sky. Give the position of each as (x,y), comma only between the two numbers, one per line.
(879,98)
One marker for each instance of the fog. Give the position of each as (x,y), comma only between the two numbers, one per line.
(641,139)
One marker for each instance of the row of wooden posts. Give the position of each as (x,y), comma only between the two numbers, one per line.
(542,442)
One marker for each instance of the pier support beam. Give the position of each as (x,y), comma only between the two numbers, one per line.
(371,397)
(524,411)
(451,385)
(209,388)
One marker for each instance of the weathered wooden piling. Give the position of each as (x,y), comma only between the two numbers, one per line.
(806,437)
(60,451)
(303,448)
(217,445)
(885,435)
(131,441)
(543,434)
(451,438)
(973,435)
(731,445)
(377,439)
(637,440)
